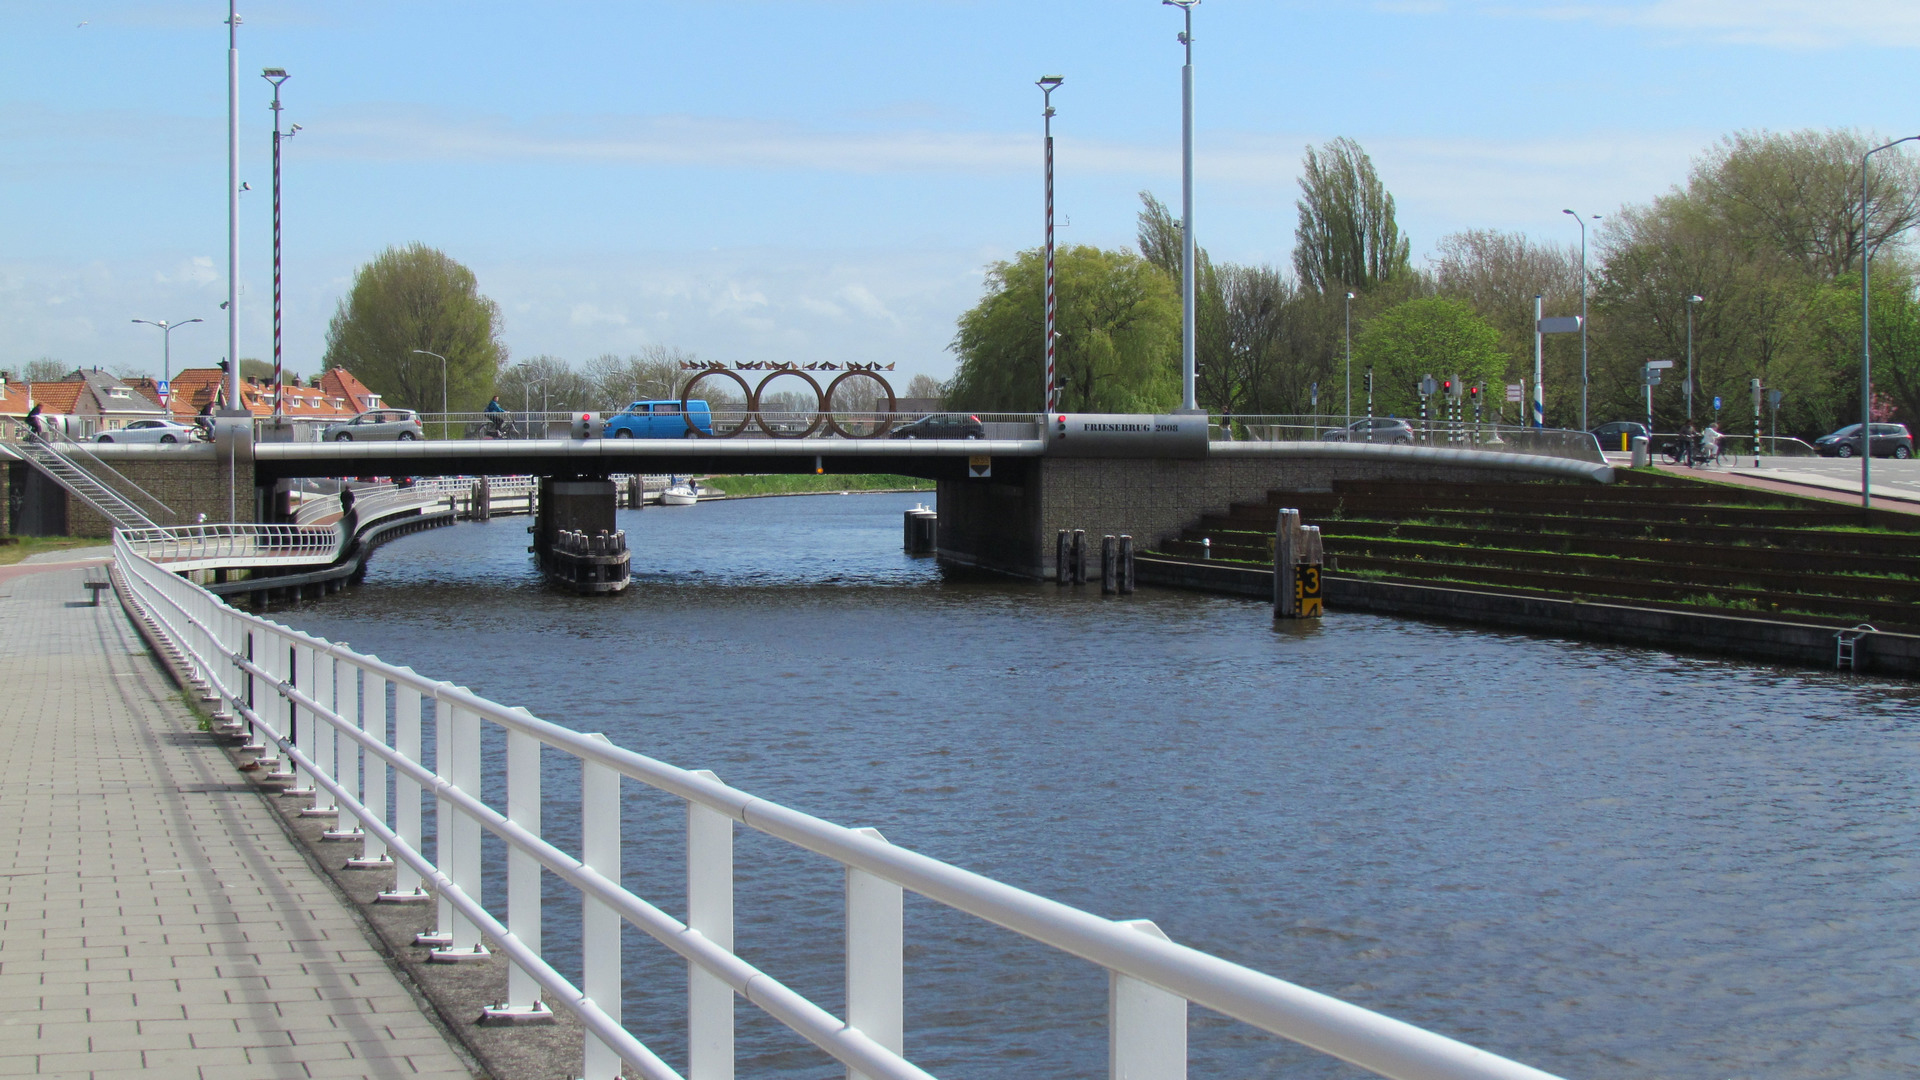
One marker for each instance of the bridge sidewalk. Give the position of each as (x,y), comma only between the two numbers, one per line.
(154,918)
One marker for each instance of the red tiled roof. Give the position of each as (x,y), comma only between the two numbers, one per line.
(58,398)
(340,383)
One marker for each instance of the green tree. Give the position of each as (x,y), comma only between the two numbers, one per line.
(1430,335)
(1118,318)
(1895,311)
(1348,238)
(415,297)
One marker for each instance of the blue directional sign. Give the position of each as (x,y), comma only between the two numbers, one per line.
(1716,403)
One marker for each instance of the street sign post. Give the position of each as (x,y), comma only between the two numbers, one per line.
(1651,376)
(165,390)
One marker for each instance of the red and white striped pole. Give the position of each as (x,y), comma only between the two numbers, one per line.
(1048,84)
(276,76)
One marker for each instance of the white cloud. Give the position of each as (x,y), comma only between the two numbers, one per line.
(198,270)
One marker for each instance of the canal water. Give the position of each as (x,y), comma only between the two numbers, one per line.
(1601,861)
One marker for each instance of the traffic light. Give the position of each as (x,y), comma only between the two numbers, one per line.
(1369,380)
(1473,394)
(1446,387)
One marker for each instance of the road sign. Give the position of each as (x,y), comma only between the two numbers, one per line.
(979,466)
(163,388)
(1428,385)
(1716,403)
(1313,395)
(1565,324)
(1516,391)
(1774,396)
(1659,363)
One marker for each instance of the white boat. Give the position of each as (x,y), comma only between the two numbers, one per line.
(681,493)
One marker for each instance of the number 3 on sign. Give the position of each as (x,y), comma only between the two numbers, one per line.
(1306,591)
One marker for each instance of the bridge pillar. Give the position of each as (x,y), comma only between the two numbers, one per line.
(569,504)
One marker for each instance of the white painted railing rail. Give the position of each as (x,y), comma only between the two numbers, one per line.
(192,547)
(327,708)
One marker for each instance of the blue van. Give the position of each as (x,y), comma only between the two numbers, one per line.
(660,420)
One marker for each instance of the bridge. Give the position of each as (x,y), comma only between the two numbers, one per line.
(1002,498)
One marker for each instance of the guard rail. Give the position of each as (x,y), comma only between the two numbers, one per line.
(329,709)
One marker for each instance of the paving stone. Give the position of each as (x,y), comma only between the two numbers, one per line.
(162,933)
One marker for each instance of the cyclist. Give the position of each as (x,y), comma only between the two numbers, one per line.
(1710,443)
(496,416)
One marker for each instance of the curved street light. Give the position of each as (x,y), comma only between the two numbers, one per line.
(166,346)
(1866,328)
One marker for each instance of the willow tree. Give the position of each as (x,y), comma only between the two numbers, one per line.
(415,297)
(1348,237)
(1118,317)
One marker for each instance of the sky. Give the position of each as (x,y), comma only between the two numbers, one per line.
(816,180)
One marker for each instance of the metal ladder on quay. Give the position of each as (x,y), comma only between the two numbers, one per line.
(59,465)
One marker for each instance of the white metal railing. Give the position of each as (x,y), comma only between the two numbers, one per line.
(1439,430)
(195,547)
(351,728)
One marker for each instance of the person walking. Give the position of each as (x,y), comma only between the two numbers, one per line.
(33,420)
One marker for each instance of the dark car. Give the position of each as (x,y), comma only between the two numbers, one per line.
(1889,440)
(1618,435)
(1380,429)
(942,426)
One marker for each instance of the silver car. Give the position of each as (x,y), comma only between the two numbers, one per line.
(403,424)
(148,431)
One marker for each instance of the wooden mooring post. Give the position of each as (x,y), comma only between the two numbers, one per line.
(1297,559)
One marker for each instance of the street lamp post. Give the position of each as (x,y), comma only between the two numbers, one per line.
(1349,336)
(233,210)
(1048,84)
(1691,300)
(445,432)
(1583,314)
(166,345)
(276,76)
(1866,329)
(1187,402)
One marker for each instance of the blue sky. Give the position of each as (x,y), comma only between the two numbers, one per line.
(826,179)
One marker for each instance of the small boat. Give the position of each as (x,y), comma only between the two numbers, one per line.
(680,493)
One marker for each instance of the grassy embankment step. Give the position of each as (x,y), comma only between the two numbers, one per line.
(1659,542)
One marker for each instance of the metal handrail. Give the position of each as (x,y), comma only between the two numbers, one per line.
(250,545)
(262,671)
(62,444)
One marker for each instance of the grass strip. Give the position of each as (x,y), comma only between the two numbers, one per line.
(803,483)
(20,547)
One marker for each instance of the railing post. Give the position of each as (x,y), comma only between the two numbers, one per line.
(279,665)
(407,888)
(1146,1026)
(461,851)
(323,691)
(346,752)
(876,943)
(299,675)
(600,926)
(709,913)
(523,1002)
(373,721)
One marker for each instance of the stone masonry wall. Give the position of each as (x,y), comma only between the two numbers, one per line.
(191,481)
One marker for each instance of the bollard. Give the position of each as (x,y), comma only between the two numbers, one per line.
(1126,564)
(1062,549)
(1285,528)
(1079,556)
(1109,564)
(1641,456)
(1206,547)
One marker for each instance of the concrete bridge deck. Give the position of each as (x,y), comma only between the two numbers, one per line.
(154,917)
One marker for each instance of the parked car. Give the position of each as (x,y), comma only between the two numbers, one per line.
(150,431)
(660,420)
(1380,429)
(1889,440)
(942,426)
(403,424)
(1618,435)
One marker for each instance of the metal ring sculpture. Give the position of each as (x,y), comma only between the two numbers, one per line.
(819,405)
(892,404)
(822,402)
(686,392)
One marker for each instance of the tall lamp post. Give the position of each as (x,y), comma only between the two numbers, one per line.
(166,344)
(445,432)
(1048,84)
(1187,403)
(1349,335)
(276,76)
(1866,328)
(1691,300)
(234,403)
(1583,313)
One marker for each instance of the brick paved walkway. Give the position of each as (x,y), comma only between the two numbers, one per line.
(154,918)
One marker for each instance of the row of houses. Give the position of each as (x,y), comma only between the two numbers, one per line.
(95,401)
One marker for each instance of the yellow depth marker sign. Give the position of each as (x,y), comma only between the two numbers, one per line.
(1306,591)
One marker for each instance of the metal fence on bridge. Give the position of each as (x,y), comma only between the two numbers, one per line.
(351,728)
